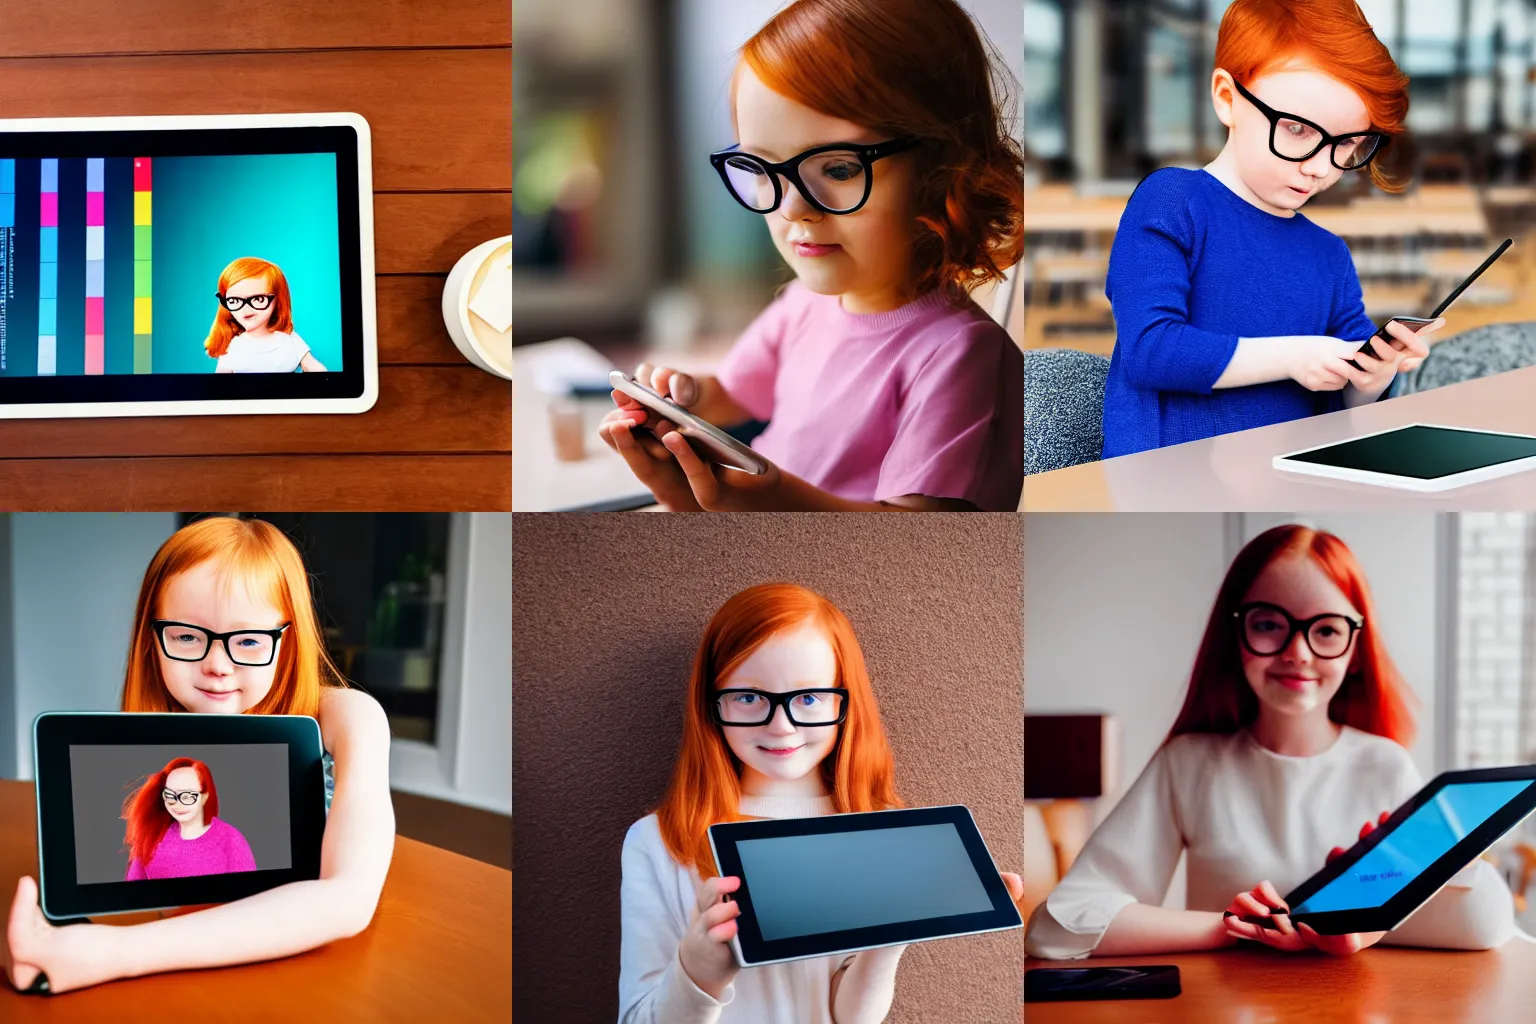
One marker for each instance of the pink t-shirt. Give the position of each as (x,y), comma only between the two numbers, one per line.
(924,399)
(219,850)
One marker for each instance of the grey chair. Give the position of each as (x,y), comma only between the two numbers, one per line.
(1479,352)
(1063,408)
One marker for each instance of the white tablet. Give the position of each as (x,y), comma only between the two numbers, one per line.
(1417,457)
(847,882)
(158,266)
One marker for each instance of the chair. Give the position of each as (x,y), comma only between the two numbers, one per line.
(1063,408)
(1478,352)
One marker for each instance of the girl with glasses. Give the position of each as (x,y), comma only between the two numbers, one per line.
(1232,309)
(780,721)
(1294,730)
(253,328)
(872,144)
(233,581)
(174,828)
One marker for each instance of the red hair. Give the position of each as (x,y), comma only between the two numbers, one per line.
(706,783)
(225,326)
(1332,36)
(1373,697)
(260,555)
(145,812)
(915,69)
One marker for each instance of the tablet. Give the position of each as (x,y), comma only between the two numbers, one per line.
(847,882)
(711,443)
(1417,457)
(248,793)
(1375,884)
(161,266)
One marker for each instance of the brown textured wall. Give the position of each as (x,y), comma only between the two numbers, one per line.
(615,604)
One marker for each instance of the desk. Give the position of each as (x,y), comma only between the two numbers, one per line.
(1233,470)
(439,948)
(1376,986)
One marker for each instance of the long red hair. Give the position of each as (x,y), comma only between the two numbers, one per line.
(915,69)
(225,326)
(145,812)
(1373,698)
(260,555)
(706,782)
(1332,36)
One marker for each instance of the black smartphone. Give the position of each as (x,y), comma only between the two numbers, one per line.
(1413,323)
(1061,984)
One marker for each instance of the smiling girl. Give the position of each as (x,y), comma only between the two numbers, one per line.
(230,579)
(872,144)
(780,722)
(1294,729)
(174,828)
(1232,310)
(253,329)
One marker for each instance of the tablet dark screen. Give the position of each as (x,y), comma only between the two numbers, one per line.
(1422,452)
(812,884)
(1423,838)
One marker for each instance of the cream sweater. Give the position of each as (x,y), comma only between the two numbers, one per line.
(1244,814)
(657,900)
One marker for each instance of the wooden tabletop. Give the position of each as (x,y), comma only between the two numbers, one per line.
(1378,985)
(439,948)
(1235,470)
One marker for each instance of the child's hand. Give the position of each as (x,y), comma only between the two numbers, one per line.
(705,952)
(647,458)
(1394,360)
(1318,363)
(717,488)
(680,387)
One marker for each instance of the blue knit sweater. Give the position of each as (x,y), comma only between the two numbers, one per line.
(1194,267)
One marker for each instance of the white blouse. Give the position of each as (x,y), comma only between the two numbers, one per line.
(277,352)
(1245,814)
(657,898)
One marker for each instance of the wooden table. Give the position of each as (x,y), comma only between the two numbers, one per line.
(1378,985)
(439,948)
(1234,470)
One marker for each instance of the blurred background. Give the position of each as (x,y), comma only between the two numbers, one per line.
(625,243)
(1115,90)
(1455,598)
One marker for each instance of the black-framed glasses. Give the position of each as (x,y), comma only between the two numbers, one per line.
(1267,629)
(235,303)
(1296,139)
(745,706)
(182,641)
(170,794)
(835,178)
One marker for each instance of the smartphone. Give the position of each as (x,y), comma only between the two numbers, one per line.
(710,442)
(1053,984)
(1413,323)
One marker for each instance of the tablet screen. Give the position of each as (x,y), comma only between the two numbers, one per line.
(812,884)
(1422,452)
(1423,838)
(224,809)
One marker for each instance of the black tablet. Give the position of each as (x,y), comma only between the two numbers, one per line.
(1417,457)
(220,806)
(176,265)
(846,882)
(1375,884)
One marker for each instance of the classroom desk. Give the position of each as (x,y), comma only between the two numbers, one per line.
(439,948)
(1234,471)
(1382,985)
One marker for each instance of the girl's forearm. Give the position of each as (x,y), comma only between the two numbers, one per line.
(1255,361)
(1141,929)
(862,993)
(280,922)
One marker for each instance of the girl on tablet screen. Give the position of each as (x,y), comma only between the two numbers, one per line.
(253,329)
(225,625)
(1294,730)
(821,751)
(1232,309)
(873,145)
(174,829)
